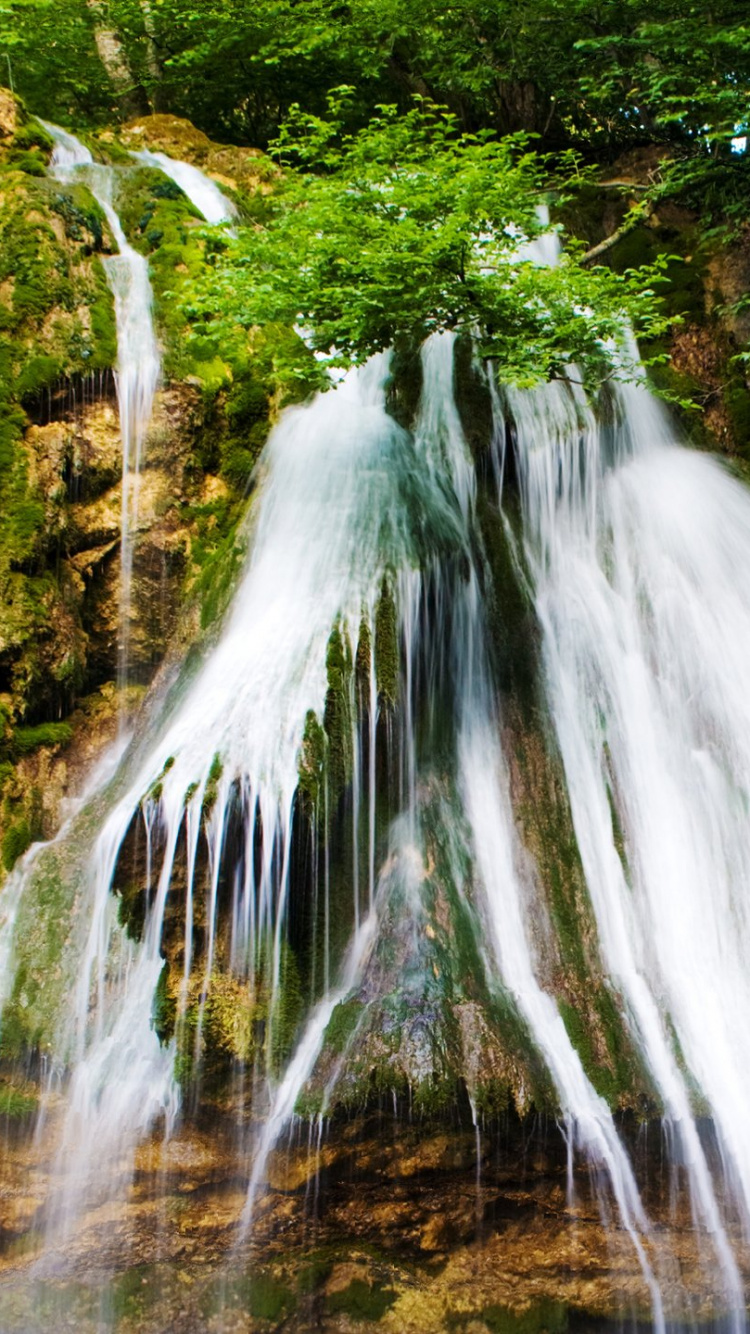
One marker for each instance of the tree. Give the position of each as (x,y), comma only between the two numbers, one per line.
(48,51)
(410,225)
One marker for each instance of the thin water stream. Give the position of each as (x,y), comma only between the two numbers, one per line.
(138,358)
(203,193)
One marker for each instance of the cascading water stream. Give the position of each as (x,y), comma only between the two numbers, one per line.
(645,633)
(335,513)
(327,528)
(634,546)
(138,360)
(203,193)
(483,781)
(446,466)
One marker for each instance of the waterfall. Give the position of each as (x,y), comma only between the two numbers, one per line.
(631,546)
(138,360)
(202,192)
(484,784)
(328,527)
(635,546)
(447,470)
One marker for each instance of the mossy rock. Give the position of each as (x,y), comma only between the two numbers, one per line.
(362,1300)
(18,1104)
(342,1024)
(545,1316)
(386,647)
(264,1295)
(45,953)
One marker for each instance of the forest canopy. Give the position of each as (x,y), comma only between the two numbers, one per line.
(596,74)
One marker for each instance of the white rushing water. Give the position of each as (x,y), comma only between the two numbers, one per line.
(302,1062)
(328,524)
(138,359)
(636,548)
(203,193)
(343,490)
(483,780)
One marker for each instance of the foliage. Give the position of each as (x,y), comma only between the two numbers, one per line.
(28,739)
(598,75)
(673,69)
(49,54)
(409,226)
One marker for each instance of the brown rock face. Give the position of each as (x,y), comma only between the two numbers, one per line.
(8,114)
(60,658)
(380,1225)
(237,168)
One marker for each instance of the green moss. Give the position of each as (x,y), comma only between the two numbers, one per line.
(311,768)
(211,790)
(288,1010)
(386,647)
(217,553)
(31,134)
(103,353)
(131,909)
(16,1104)
(341,1025)
(28,739)
(600,1076)
(45,970)
(136,1292)
(337,716)
(162,224)
(40,372)
(163,1008)
(268,1299)
(363,666)
(215,1033)
(31,161)
(16,840)
(84,218)
(262,1294)
(362,1300)
(313,1271)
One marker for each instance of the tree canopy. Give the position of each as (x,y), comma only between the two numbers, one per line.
(578,72)
(410,225)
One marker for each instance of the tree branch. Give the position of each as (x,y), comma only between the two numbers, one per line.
(634,219)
